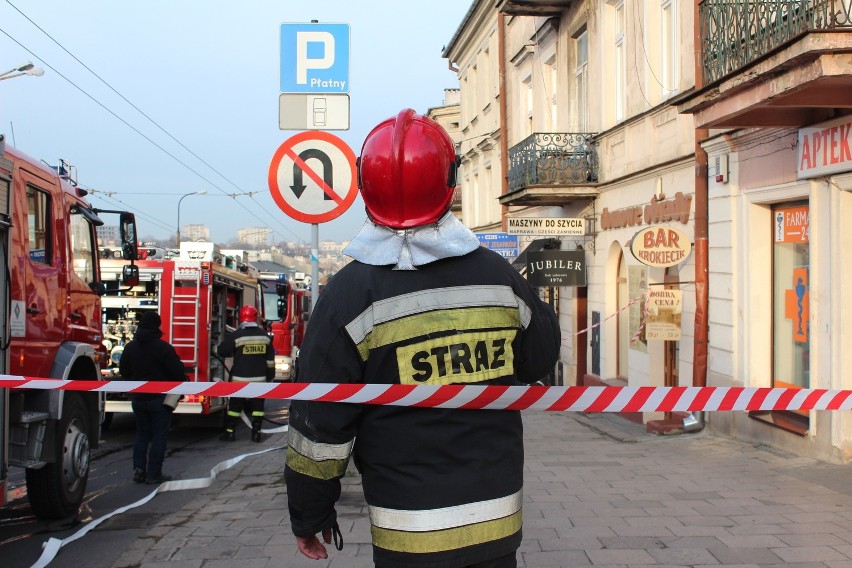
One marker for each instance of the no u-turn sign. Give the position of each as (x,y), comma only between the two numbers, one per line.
(312,177)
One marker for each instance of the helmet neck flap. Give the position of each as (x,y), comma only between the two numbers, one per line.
(407,249)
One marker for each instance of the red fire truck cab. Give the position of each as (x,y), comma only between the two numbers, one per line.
(50,327)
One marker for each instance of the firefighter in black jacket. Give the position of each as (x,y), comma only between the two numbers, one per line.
(254,361)
(422,304)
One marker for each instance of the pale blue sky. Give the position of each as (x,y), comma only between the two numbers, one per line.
(207,72)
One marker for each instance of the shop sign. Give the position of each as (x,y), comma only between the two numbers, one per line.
(657,211)
(792,224)
(662,321)
(660,246)
(556,268)
(502,243)
(549,226)
(825,149)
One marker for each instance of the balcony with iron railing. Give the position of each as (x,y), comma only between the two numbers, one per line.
(735,33)
(771,62)
(549,168)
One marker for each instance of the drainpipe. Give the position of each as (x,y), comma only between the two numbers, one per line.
(695,421)
(504,132)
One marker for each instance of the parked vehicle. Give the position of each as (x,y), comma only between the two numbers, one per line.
(287,306)
(198,295)
(50,327)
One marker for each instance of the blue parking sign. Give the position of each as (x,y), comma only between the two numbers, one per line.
(314,58)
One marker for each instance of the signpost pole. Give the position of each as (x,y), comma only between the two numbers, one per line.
(314,265)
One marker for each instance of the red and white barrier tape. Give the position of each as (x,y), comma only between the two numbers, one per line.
(557,399)
(607,318)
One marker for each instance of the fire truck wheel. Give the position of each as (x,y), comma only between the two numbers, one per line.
(56,490)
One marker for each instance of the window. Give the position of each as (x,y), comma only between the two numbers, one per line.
(790,296)
(669,47)
(554,89)
(529,102)
(38,219)
(581,72)
(82,248)
(620,61)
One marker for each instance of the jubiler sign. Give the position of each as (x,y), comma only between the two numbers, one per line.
(556,268)
(660,246)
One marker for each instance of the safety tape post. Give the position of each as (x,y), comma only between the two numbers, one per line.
(490,397)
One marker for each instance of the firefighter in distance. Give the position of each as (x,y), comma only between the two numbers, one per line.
(254,361)
(421,304)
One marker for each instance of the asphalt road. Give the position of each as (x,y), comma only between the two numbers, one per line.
(194,449)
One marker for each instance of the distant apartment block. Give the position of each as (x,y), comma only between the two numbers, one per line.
(196,233)
(107,235)
(256,237)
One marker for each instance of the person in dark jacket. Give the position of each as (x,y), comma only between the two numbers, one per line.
(254,361)
(421,304)
(149,358)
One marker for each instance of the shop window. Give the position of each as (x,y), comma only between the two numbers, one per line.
(790,308)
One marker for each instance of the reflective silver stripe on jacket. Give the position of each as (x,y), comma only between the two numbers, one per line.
(261,379)
(446,517)
(318,451)
(436,298)
(252,340)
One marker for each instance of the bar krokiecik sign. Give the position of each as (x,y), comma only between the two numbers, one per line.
(556,268)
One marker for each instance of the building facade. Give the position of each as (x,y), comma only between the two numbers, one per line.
(681,166)
(255,237)
(774,113)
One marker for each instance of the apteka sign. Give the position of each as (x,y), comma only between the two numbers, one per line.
(825,148)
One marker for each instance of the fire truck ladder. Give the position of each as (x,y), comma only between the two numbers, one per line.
(186,313)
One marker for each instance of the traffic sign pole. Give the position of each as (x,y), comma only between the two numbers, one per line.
(314,265)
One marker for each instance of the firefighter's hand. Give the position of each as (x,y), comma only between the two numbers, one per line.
(312,547)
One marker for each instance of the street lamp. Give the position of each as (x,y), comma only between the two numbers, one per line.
(199,192)
(25,68)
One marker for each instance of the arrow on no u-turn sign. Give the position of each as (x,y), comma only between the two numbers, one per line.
(299,166)
(317,173)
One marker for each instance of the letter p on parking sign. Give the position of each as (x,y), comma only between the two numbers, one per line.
(314,58)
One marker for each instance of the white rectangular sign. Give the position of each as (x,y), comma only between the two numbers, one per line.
(313,112)
(187,269)
(553,226)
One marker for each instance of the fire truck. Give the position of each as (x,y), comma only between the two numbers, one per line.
(198,295)
(287,306)
(50,327)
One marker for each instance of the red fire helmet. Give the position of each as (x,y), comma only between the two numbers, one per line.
(407,171)
(248,313)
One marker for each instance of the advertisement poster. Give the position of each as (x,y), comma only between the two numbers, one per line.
(664,315)
(637,281)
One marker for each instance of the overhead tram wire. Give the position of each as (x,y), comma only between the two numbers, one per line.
(108,196)
(140,133)
(143,113)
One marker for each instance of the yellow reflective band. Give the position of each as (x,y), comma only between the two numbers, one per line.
(257,413)
(436,321)
(326,469)
(462,358)
(448,539)
(252,340)
(423,301)
(318,451)
(233,413)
